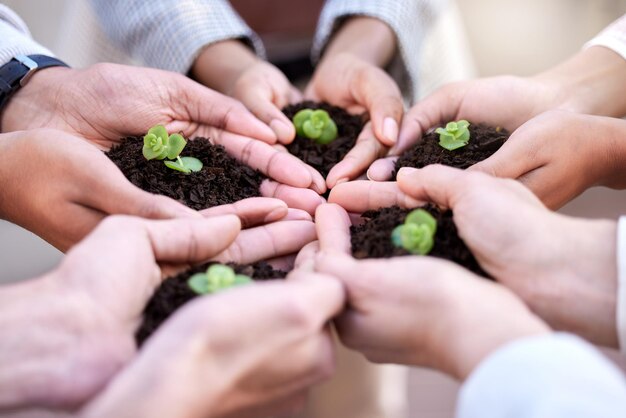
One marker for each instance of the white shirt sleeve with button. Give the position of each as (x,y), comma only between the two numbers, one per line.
(550,376)
(613,37)
(15,38)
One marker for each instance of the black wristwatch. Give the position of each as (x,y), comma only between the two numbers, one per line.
(16,73)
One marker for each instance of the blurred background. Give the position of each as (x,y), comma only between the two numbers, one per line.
(493,37)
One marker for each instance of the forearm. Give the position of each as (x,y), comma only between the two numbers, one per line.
(219,65)
(592,82)
(370,39)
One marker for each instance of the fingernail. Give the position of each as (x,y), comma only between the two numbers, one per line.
(317,189)
(390,130)
(283,131)
(406,171)
(275,215)
(297,215)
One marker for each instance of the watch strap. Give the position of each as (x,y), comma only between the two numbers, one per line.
(19,70)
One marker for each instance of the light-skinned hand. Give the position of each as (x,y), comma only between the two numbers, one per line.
(76,325)
(518,241)
(417,310)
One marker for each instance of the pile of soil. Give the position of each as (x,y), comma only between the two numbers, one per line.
(222,180)
(175,292)
(372,238)
(484,142)
(325,157)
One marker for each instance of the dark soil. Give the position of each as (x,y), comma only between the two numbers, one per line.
(325,157)
(484,142)
(372,239)
(174,293)
(222,180)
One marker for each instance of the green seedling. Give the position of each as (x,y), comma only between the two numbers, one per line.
(417,234)
(315,125)
(217,277)
(455,135)
(158,145)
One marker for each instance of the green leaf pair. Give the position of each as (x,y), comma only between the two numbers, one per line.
(455,135)
(417,234)
(217,277)
(158,145)
(316,125)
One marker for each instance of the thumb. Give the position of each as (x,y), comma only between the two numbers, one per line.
(438,184)
(514,159)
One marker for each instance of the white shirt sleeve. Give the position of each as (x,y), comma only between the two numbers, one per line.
(170,34)
(409,19)
(550,376)
(15,38)
(621,285)
(613,37)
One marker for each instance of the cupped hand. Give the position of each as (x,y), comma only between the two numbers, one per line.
(418,310)
(245,352)
(534,252)
(560,154)
(106,102)
(504,101)
(265,90)
(349,82)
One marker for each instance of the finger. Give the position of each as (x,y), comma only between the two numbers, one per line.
(333,229)
(252,211)
(306,257)
(294,197)
(382,170)
(310,93)
(438,184)
(111,193)
(318,292)
(211,108)
(282,167)
(515,158)
(363,195)
(295,96)
(263,103)
(297,215)
(438,108)
(382,97)
(269,241)
(284,263)
(366,150)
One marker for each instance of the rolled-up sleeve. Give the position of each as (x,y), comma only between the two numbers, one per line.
(15,38)
(409,19)
(170,34)
(552,376)
(613,37)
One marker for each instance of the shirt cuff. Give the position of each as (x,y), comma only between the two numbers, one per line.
(613,37)
(621,285)
(15,37)
(554,375)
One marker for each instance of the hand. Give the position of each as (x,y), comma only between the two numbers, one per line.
(257,360)
(418,311)
(559,154)
(534,252)
(265,90)
(60,187)
(101,104)
(347,81)
(74,323)
(584,84)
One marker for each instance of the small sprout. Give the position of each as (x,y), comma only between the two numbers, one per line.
(217,277)
(455,135)
(417,234)
(316,125)
(158,145)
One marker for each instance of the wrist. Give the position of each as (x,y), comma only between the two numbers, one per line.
(369,39)
(220,65)
(591,82)
(40,95)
